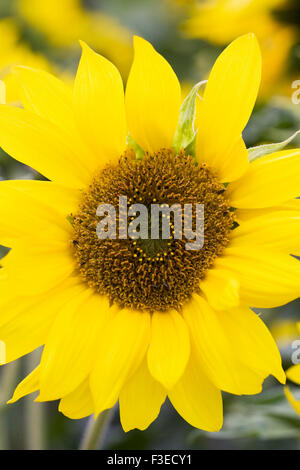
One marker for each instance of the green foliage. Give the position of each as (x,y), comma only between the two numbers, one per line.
(262,150)
(185,132)
(268,416)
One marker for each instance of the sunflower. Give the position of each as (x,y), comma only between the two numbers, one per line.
(139,321)
(293,374)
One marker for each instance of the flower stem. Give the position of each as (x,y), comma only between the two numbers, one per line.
(9,375)
(96,430)
(34,413)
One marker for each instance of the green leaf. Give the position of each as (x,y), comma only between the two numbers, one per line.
(267,416)
(139,152)
(262,150)
(185,133)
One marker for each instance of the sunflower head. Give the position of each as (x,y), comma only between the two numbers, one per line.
(139,319)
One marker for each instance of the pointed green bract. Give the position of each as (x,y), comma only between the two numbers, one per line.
(185,133)
(70,219)
(262,150)
(139,152)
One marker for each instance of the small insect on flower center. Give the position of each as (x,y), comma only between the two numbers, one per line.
(146,273)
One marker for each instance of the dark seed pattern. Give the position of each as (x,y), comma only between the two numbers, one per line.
(152,275)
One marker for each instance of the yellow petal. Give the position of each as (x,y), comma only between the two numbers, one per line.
(99,106)
(41,145)
(25,322)
(196,399)
(243,215)
(79,403)
(2,92)
(140,400)
(121,349)
(228,101)
(35,210)
(214,352)
(236,164)
(153,98)
(252,342)
(221,289)
(270,180)
(29,385)
(38,269)
(293,374)
(169,348)
(71,347)
(267,278)
(276,231)
(44,94)
(295,404)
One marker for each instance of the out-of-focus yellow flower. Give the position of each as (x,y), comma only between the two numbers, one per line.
(293,374)
(63,22)
(284,332)
(276,44)
(58,20)
(14,52)
(219,21)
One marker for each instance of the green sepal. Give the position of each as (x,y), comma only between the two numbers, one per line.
(185,132)
(191,148)
(139,152)
(262,150)
(70,219)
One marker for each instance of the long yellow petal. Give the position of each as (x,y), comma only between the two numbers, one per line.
(221,289)
(169,348)
(267,278)
(39,268)
(269,181)
(26,322)
(71,347)
(41,145)
(210,344)
(152,99)
(79,403)
(28,385)
(252,342)
(227,104)
(276,231)
(121,349)
(243,215)
(196,399)
(140,400)
(215,353)
(35,210)
(44,94)
(293,374)
(99,106)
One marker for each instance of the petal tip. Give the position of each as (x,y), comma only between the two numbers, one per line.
(11,401)
(84,46)
(140,43)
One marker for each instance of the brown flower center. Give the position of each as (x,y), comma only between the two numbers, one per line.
(148,274)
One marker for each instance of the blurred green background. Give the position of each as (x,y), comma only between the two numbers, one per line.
(44,34)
